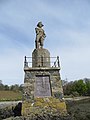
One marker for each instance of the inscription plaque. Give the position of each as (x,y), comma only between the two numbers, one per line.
(42,86)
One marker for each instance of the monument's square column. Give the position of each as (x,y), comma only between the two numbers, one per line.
(43,91)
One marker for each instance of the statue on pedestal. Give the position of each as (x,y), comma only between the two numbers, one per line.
(40,35)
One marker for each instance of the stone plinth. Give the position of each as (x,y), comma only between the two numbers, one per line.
(40,58)
(52,78)
(35,100)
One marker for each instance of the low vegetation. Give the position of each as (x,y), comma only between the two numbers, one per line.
(77,88)
(10,95)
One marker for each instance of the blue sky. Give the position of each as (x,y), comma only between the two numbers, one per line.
(67,27)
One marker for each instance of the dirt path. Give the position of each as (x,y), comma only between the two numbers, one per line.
(77,98)
(8,103)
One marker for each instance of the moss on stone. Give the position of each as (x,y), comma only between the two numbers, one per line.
(44,105)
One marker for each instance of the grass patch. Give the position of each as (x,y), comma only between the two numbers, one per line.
(10,96)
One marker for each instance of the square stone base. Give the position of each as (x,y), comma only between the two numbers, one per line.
(42,106)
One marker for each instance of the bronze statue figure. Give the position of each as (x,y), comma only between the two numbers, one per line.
(40,35)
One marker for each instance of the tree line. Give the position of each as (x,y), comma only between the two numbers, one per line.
(77,88)
(15,87)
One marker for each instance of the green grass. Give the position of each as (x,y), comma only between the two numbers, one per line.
(10,95)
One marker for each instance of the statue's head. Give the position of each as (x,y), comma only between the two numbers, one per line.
(40,24)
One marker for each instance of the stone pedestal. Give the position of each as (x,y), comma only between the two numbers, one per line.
(40,58)
(43,91)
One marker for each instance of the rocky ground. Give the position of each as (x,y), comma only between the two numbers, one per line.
(77,110)
(6,109)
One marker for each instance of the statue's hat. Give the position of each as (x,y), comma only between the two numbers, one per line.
(40,24)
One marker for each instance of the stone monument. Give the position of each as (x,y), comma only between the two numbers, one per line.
(43,91)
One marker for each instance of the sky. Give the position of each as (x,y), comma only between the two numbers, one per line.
(67,28)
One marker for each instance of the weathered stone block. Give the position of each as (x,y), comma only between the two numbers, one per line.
(44,105)
(40,58)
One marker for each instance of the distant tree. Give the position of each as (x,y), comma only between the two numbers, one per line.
(6,87)
(79,87)
(68,88)
(14,87)
(64,82)
(1,87)
(0,81)
(87,82)
(21,87)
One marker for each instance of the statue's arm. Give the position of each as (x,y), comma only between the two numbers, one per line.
(37,31)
